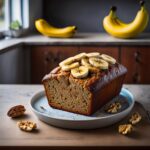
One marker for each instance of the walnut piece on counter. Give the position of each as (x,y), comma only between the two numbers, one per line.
(27,125)
(114,107)
(125,129)
(16,111)
(135,118)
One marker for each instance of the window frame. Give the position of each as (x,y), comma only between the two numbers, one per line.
(10,7)
(6,15)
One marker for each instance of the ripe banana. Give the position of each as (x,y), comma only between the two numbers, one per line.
(48,30)
(117,28)
(80,72)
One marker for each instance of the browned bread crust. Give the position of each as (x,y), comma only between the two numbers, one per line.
(83,96)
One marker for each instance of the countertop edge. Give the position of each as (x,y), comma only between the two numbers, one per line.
(81,39)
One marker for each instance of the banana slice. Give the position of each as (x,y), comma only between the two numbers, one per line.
(80,72)
(79,56)
(85,62)
(108,58)
(67,61)
(97,62)
(69,67)
(94,54)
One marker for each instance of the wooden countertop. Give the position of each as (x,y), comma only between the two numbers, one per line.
(49,136)
(78,39)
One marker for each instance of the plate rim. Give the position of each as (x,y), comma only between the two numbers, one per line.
(79,120)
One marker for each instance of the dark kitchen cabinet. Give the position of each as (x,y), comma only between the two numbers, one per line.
(137,61)
(45,58)
(135,58)
(110,50)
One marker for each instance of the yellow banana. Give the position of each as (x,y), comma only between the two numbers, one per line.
(115,27)
(46,29)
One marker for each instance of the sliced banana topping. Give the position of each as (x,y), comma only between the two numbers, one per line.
(80,72)
(97,62)
(94,54)
(108,58)
(79,56)
(69,67)
(85,62)
(80,65)
(67,61)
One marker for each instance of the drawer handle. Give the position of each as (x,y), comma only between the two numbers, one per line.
(136,78)
(137,57)
(47,59)
(51,58)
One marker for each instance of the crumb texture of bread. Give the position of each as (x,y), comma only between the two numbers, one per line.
(83,96)
(64,93)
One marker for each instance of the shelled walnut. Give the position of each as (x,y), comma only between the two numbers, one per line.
(16,111)
(135,118)
(125,129)
(27,125)
(114,107)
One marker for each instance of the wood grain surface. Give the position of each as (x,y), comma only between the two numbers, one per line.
(49,136)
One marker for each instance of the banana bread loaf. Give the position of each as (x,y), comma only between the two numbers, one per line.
(84,83)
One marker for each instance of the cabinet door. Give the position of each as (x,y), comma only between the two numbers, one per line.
(45,58)
(112,51)
(137,61)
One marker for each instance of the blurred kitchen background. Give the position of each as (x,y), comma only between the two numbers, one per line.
(28,63)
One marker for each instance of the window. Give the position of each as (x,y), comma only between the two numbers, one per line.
(4,14)
(19,11)
(2,17)
(11,10)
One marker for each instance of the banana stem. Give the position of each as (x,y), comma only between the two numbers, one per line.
(113,11)
(113,8)
(142,3)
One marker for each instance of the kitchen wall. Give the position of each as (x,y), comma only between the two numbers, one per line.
(35,12)
(87,15)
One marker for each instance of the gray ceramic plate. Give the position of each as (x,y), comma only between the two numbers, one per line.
(69,120)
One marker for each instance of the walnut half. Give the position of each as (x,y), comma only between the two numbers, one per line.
(114,107)
(125,129)
(27,125)
(135,118)
(16,111)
